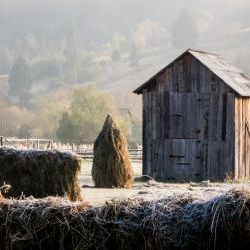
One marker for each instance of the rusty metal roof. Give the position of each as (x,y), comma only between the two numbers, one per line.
(231,75)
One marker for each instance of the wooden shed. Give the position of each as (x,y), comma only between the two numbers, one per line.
(196,115)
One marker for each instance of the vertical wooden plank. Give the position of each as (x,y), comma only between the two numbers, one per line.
(247,112)
(158,114)
(154,159)
(181,82)
(166,161)
(228,135)
(166,100)
(169,79)
(149,139)
(171,163)
(158,146)
(146,126)
(199,160)
(154,113)
(247,149)
(160,167)
(241,142)
(222,154)
(154,145)
(209,161)
(162,127)
(219,117)
(246,135)
(201,81)
(144,132)
(224,117)
(237,141)
(171,111)
(214,117)
(187,74)
(195,72)
(239,138)
(217,153)
(229,160)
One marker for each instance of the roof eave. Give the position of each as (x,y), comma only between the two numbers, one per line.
(237,90)
(139,90)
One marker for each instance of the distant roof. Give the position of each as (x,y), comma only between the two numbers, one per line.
(231,75)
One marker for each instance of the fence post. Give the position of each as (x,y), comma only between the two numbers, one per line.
(1,141)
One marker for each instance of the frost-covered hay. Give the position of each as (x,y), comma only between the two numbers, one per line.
(173,223)
(111,163)
(40,173)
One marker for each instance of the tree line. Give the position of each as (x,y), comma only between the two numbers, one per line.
(71,116)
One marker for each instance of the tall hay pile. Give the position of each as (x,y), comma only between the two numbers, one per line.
(173,223)
(40,173)
(111,163)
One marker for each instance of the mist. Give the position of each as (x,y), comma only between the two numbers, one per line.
(217,26)
(115,45)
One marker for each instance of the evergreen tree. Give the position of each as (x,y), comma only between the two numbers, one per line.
(65,129)
(20,81)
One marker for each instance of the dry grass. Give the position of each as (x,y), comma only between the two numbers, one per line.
(111,163)
(40,173)
(173,223)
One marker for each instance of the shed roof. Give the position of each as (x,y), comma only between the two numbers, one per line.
(231,75)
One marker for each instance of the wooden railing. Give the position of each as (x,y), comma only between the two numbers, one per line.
(3,139)
(26,143)
(135,154)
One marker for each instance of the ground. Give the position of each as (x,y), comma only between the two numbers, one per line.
(155,190)
(150,190)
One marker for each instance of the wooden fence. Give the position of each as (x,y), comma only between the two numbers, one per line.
(135,154)
(85,151)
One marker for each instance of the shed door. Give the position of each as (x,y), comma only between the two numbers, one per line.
(184,116)
(183,159)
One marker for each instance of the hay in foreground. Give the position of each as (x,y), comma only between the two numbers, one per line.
(40,173)
(173,223)
(111,163)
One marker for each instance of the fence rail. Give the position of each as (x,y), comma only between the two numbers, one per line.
(85,151)
(29,143)
(3,139)
(135,154)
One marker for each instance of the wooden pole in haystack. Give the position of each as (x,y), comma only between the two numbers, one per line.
(111,163)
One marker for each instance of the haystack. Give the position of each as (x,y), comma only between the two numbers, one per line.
(177,222)
(111,163)
(40,173)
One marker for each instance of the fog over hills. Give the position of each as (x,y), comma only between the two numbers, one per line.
(159,30)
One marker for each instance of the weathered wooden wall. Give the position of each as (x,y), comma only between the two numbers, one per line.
(188,124)
(242,137)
